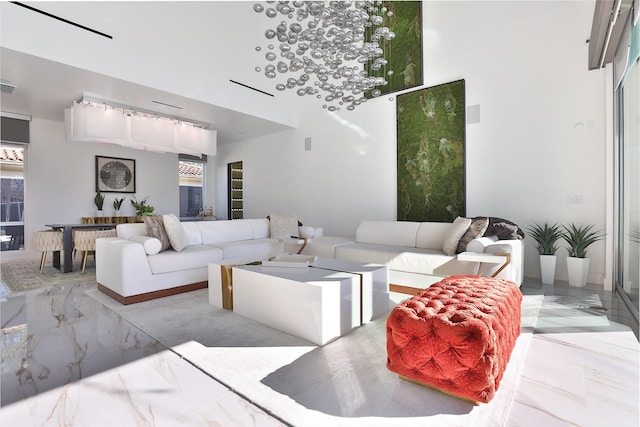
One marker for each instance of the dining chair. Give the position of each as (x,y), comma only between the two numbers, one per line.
(85,242)
(47,241)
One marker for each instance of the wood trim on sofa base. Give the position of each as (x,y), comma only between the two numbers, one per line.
(134,299)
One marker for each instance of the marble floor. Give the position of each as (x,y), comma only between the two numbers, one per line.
(63,349)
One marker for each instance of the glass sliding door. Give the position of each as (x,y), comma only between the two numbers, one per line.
(628,277)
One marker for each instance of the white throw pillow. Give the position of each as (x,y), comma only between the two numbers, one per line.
(307,232)
(283,225)
(175,232)
(459,227)
(151,245)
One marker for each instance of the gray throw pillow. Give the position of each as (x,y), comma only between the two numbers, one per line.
(155,228)
(476,229)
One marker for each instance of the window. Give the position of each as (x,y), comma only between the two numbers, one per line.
(11,197)
(191,180)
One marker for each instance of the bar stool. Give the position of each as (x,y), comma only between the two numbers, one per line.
(85,241)
(46,241)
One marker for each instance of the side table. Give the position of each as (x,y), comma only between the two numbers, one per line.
(498,258)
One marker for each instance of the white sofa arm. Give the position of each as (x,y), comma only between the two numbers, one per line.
(490,245)
(121,265)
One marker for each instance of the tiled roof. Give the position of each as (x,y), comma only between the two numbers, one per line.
(189,170)
(11,155)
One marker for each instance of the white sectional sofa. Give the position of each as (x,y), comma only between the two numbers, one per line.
(129,268)
(413,251)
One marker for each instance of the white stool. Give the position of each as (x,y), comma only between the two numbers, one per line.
(46,241)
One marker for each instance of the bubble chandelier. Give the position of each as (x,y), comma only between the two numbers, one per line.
(337,44)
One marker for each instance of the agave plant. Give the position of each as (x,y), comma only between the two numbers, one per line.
(546,237)
(579,238)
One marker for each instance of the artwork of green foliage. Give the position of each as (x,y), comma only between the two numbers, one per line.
(404,52)
(431,147)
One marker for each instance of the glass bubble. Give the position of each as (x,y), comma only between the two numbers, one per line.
(270,68)
(332,108)
(258,7)
(270,46)
(390,73)
(301,92)
(269,33)
(271,12)
(351,108)
(295,27)
(270,74)
(390,13)
(280,87)
(258,48)
(270,56)
(258,69)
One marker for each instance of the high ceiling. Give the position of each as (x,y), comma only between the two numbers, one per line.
(182,53)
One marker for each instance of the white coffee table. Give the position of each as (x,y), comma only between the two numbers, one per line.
(314,304)
(374,284)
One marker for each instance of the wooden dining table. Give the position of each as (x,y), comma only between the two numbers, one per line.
(67,265)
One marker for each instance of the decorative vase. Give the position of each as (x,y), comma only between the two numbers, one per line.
(547,269)
(99,213)
(578,271)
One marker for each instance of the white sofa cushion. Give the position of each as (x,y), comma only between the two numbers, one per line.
(126,231)
(192,233)
(460,226)
(198,256)
(431,234)
(151,245)
(398,233)
(257,249)
(398,258)
(260,227)
(175,232)
(225,231)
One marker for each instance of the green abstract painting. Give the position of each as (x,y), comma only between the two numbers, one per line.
(404,52)
(431,147)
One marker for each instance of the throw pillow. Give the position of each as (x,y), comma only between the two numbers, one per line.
(175,232)
(283,225)
(504,229)
(155,228)
(151,245)
(476,229)
(460,226)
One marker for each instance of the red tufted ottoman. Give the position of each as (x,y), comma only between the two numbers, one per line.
(456,336)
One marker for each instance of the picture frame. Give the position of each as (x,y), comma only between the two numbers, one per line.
(115,175)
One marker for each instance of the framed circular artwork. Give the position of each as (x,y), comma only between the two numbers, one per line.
(115,175)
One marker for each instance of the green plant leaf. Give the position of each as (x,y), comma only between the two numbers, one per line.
(579,238)
(546,237)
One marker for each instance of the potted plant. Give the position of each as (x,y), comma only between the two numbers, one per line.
(117,204)
(546,237)
(99,201)
(141,207)
(579,238)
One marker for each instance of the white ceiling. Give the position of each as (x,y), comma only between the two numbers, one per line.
(45,88)
(178,53)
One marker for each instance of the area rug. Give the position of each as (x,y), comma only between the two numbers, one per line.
(343,384)
(25,275)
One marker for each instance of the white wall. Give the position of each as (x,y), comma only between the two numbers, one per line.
(60,178)
(540,138)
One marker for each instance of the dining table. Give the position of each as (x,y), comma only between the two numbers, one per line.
(67,246)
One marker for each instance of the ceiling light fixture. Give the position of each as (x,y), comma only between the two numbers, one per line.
(341,48)
(91,120)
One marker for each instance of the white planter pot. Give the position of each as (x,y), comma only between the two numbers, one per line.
(578,271)
(547,269)
(99,213)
